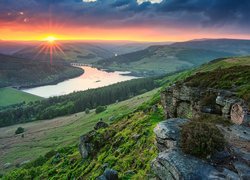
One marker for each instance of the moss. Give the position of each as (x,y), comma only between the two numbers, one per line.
(201,139)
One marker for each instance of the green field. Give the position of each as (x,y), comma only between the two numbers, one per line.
(10,96)
(43,136)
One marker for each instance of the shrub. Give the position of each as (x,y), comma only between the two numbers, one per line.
(87,111)
(19,130)
(201,139)
(100,109)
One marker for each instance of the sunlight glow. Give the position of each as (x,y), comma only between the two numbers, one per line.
(50,39)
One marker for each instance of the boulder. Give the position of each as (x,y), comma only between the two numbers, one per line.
(243,170)
(86,146)
(100,125)
(168,133)
(172,163)
(109,174)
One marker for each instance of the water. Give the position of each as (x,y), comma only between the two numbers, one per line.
(92,78)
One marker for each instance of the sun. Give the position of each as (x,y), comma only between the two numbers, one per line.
(50,39)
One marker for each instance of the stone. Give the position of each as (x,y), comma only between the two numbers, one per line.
(220,157)
(100,125)
(109,174)
(175,165)
(168,133)
(7,165)
(86,147)
(172,164)
(239,113)
(243,170)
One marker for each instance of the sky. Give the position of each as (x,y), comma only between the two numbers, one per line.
(135,20)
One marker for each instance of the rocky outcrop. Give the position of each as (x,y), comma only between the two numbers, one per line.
(91,142)
(100,125)
(172,163)
(187,102)
(109,174)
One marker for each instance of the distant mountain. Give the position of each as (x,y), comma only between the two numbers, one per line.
(21,72)
(81,52)
(234,46)
(11,47)
(158,60)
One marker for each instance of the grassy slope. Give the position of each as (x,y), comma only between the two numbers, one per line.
(160,60)
(10,96)
(130,156)
(26,72)
(43,136)
(72,52)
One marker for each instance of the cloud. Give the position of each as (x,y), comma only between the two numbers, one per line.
(230,14)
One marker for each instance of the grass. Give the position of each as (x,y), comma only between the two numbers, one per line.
(10,96)
(43,136)
(126,146)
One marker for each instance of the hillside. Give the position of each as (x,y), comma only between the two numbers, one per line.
(21,72)
(127,145)
(236,46)
(10,96)
(81,52)
(159,60)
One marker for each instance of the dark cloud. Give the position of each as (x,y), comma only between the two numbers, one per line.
(117,13)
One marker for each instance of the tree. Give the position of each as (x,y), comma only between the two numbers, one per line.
(100,109)
(87,111)
(19,130)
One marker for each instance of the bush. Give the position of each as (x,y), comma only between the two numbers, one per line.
(100,109)
(19,130)
(201,139)
(87,111)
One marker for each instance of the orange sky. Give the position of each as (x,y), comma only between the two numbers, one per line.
(26,33)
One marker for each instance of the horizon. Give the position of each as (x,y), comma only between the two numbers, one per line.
(123,20)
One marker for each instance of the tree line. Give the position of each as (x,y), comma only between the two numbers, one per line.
(75,102)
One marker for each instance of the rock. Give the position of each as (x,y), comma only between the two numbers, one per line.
(168,133)
(111,118)
(109,174)
(136,136)
(188,102)
(105,165)
(24,162)
(100,125)
(172,163)
(220,157)
(86,146)
(243,170)
(7,165)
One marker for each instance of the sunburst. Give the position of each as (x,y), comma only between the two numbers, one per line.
(51,46)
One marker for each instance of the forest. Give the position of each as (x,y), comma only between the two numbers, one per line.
(75,102)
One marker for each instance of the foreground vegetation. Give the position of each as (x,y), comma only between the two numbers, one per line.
(127,144)
(41,137)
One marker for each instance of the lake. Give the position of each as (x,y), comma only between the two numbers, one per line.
(92,78)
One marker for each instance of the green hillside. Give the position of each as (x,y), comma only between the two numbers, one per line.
(81,52)
(10,96)
(127,145)
(25,72)
(159,60)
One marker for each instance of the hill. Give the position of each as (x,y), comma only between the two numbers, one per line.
(236,46)
(20,72)
(127,145)
(158,60)
(10,96)
(81,52)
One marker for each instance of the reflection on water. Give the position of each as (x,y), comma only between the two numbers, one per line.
(92,78)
